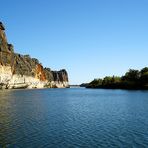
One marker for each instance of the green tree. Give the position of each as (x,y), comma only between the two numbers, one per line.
(95,83)
(107,80)
(132,75)
(144,76)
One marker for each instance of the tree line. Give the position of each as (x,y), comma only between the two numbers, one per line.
(133,79)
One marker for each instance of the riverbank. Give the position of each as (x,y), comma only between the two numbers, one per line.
(132,80)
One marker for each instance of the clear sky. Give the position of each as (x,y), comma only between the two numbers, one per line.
(89,38)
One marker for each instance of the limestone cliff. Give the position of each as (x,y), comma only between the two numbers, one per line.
(22,71)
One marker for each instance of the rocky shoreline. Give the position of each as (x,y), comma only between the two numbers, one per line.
(21,71)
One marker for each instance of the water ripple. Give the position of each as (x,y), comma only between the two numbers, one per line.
(73,118)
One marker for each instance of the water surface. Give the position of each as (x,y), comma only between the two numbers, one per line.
(73,118)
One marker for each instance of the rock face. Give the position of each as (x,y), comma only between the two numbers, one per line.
(22,71)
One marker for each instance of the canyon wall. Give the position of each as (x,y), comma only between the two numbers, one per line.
(22,71)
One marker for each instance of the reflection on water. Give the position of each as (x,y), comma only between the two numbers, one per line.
(73,117)
(5,116)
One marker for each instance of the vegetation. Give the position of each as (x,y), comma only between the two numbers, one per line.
(133,79)
(83,85)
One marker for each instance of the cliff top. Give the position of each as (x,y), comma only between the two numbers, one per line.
(2,26)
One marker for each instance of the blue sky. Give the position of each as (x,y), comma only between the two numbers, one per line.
(89,38)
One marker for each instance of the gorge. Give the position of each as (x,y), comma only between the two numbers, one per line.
(22,71)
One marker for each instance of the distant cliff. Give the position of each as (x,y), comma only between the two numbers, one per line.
(22,71)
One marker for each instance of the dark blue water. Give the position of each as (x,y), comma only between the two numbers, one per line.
(73,118)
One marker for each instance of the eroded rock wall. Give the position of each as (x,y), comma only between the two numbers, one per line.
(22,71)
